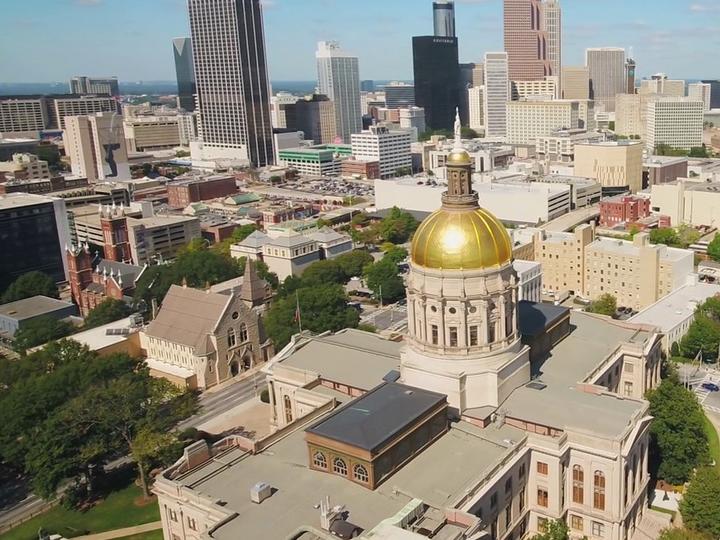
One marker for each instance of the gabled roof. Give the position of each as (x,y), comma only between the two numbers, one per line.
(188,316)
(326,234)
(128,272)
(256,239)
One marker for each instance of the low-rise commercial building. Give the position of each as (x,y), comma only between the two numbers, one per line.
(560,146)
(623,209)
(663,169)
(194,188)
(617,165)
(320,160)
(687,202)
(583,191)
(389,148)
(369,170)
(529,275)
(25,167)
(15,315)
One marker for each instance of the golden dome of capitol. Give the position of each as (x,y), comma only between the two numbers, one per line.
(458,157)
(463,238)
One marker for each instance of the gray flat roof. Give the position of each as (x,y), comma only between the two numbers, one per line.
(378,416)
(676,307)
(535,318)
(18,200)
(35,306)
(359,359)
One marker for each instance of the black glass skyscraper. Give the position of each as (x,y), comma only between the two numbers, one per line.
(444,18)
(437,79)
(182,48)
(714,93)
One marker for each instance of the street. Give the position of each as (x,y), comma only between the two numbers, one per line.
(16,502)
(391,317)
(695,376)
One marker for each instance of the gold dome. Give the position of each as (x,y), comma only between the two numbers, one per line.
(458,157)
(469,239)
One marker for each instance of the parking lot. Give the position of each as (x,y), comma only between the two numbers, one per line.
(333,186)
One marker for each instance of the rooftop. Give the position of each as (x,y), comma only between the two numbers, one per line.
(676,307)
(624,247)
(35,306)
(18,200)
(106,335)
(377,417)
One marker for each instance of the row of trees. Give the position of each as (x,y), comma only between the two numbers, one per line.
(29,285)
(397,228)
(696,151)
(65,412)
(703,336)
(679,237)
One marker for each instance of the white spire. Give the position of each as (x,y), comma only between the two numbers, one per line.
(458,136)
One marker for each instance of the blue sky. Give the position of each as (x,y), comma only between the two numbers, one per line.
(51,40)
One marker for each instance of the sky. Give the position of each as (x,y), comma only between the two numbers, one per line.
(53,40)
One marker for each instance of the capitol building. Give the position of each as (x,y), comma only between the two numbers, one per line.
(492,418)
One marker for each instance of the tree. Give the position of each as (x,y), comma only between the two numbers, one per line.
(468,133)
(29,285)
(146,446)
(322,308)
(556,529)
(396,254)
(605,305)
(700,507)
(366,327)
(703,335)
(108,311)
(664,235)
(678,439)
(383,278)
(682,534)
(353,262)
(238,235)
(40,331)
(687,235)
(699,152)
(398,226)
(713,249)
(403,171)
(323,272)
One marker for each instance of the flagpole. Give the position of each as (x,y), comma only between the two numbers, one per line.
(297,311)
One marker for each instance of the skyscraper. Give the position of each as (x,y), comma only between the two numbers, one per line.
(552,26)
(93,85)
(444,18)
(630,76)
(701,92)
(606,66)
(437,79)
(497,94)
(232,80)
(714,93)
(575,82)
(185,72)
(97,147)
(399,95)
(339,79)
(525,39)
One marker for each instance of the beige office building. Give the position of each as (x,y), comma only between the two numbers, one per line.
(701,92)
(96,147)
(676,122)
(81,106)
(476,106)
(549,88)
(687,202)
(575,82)
(637,273)
(631,114)
(529,119)
(615,164)
(148,133)
(26,167)
(662,85)
(560,146)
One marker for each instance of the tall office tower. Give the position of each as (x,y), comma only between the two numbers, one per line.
(399,95)
(478,75)
(660,84)
(630,68)
(497,94)
(606,66)
(701,92)
(444,18)
(96,146)
(92,85)
(552,26)
(185,72)
(231,73)
(339,79)
(714,93)
(675,122)
(525,40)
(468,74)
(476,105)
(315,117)
(437,79)
(575,83)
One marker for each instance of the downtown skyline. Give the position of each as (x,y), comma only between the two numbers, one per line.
(136,49)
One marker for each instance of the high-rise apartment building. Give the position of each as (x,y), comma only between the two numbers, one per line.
(497,94)
(674,121)
(701,92)
(606,66)
(185,73)
(552,26)
(444,18)
(96,146)
(437,79)
(399,95)
(575,82)
(20,114)
(339,79)
(525,40)
(529,119)
(630,67)
(233,87)
(390,148)
(92,85)
(476,103)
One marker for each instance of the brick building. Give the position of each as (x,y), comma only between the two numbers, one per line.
(623,209)
(366,169)
(196,189)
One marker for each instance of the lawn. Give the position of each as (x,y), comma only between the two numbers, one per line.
(714,442)
(117,511)
(152,535)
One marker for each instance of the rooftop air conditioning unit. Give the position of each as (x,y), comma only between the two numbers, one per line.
(260,491)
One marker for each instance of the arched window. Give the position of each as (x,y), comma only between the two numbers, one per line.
(339,466)
(599,490)
(231,337)
(319,460)
(360,474)
(578,484)
(243,333)
(288,409)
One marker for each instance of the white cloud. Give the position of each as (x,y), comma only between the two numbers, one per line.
(704,8)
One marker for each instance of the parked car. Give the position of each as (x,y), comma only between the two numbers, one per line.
(711,387)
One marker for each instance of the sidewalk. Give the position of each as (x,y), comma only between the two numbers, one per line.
(236,379)
(121,533)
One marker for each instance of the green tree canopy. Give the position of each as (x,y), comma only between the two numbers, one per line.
(108,311)
(353,262)
(323,272)
(322,308)
(29,285)
(396,254)
(700,507)
(40,331)
(678,438)
(703,335)
(556,529)
(674,533)
(604,305)
(665,235)
(238,235)
(383,278)
(713,249)
(398,226)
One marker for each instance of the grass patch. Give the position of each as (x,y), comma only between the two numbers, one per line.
(117,511)
(663,510)
(714,442)
(152,535)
